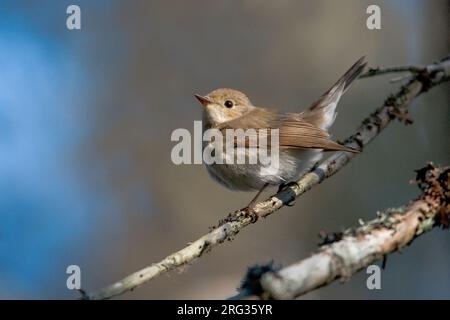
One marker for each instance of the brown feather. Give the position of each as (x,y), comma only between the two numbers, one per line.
(294,131)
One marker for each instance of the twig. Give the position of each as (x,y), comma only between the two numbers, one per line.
(379,71)
(413,70)
(358,248)
(394,107)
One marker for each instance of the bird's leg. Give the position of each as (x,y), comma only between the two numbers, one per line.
(253,202)
(284,186)
(314,167)
(249,210)
(281,187)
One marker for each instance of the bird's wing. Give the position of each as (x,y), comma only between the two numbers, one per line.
(294,131)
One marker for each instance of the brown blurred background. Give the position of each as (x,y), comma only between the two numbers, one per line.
(133,70)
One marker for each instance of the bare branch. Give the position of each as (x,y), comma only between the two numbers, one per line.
(394,107)
(380,71)
(354,249)
(402,69)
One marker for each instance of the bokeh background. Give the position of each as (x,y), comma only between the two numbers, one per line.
(86,116)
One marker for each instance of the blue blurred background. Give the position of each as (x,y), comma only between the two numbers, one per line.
(85,122)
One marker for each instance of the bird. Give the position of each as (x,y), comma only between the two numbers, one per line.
(302,137)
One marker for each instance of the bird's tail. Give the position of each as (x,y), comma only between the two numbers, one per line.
(323,112)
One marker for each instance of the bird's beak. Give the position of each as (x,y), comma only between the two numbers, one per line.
(203,100)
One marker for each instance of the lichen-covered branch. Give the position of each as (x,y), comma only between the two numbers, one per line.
(347,252)
(394,107)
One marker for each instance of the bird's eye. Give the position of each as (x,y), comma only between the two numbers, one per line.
(228,104)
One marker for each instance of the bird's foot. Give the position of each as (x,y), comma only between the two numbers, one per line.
(284,186)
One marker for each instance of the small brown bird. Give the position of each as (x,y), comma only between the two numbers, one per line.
(303,137)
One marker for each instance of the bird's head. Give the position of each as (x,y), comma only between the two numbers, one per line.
(222,105)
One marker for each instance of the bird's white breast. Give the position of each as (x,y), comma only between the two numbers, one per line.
(293,163)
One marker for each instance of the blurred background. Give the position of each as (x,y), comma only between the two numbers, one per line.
(86,117)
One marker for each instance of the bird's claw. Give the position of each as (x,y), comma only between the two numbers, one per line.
(284,186)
